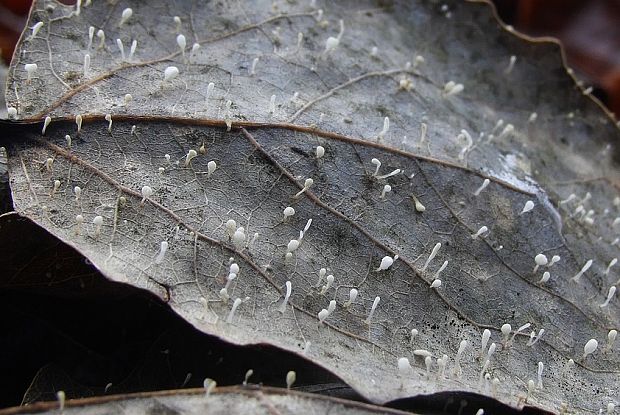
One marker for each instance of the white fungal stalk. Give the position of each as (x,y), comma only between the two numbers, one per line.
(291,376)
(375,303)
(327,286)
(457,359)
(483,186)
(121,47)
(386,189)
(534,338)
(519,330)
(431,256)
(235,305)
(272,105)
(86,67)
(307,184)
(386,263)
(46,122)
(611,338)
(386,127)
(611,264)
(352,297)
(486,335)
(482,230)
(585,267)
(98,222)
(108,118)
(190,155)
(443,266)
(78,122)
(163,248)
(282,308)
(505,329)
(125,15)
(30,69)
(545,277)
(541,367)
(610,294)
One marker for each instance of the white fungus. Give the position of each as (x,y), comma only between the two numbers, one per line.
(211,167)
(386,127)
(404,367)
(540,260)
(585,267)
(190,155)
(125,15)
(320,151)
(529,205)
(590,347)
(147,192)
(30,69)
(386,262)
(170,73)
(307,184)
(291,376)
(482,230)
(545,277)
(432,255)
(288,212)
(436,284)
(352,296)
(163,248)
(78,122)
(386,189)
(282,308)
(483,186)
(375,303)
(611,264)
(323,314)
(610,294)
(539,384)
(86,67)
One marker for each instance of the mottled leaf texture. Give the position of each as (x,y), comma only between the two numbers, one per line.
(376,90)
(228,400)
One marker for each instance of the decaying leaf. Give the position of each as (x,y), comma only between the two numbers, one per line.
(148,193)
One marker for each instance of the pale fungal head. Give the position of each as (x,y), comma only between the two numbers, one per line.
(190,155)
(611,264)
(386,189)
(320,151)
(181,42)
(331,44)
(121,47)
(352,297)
(209,386)
(529,205)
(545,277)
(436,283)
(211,166)
(98,222)
(457,359)
(147,192)
(323,314)
(419,207)
(108,118)
(127,98)
(170,73)
(78,192)
(49,164)
(291,376)
(330,281)
(540,260)
(86,67)
(404,367)
(486,335)
(292,245)
(46,122)
(101,37)
(554,259)
(611,338)
(60,395)
(125,15)
(505,329)
(377,164)
(30,69)
(288,212)
(238,238)
(590,347)
(163,248)
(231,227)
(386,262)
(79,219)
(519,330)
(235,305)
(132,49)
(253,66)
(78,122)
(432,255)
(11,112)
(331,307)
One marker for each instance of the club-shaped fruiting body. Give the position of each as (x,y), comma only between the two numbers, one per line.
(377,164)
(132,49)
(253,66)
(331,307)
(231,227)
(505,329)
(49,164)
(585,267)
(486,335)
(98,222)
(511,64)
(235,305)
(482,230)
(195,48)
(223,294)
(419,207)
(86,68)
(190,155)
(452,88)
(182,43)
(554,259)
(170,73)
(125,15)
(545,277)
(229,279)
(529,205)
(108,118)
(386,127)
(330,281)
(101,36)
(91,34)
(611,264)
(30,69)
(121,47)
(428,361)
(291,376)
(610,408)
(540,260)
(60,395)
(440,270)
(590,347)
(457,359)
(386,189)
(35,29)
(78,122)
(78,192)
(386,262)
(533,117)
(331,44)
(352,297)
(55,187)
(432,255)
(163,248)
(610,294)
(375,303)
(147,192)
(288,212)
(534,338)
(530,389)
(211,166)
(404,367)
(436,283)
(541,367)
(483,186)
(209,385)
(292,245)
(307,184)
(272,104)
(519,330)
(238,238)
(11,112)
(323,314)
(320,152)
(282,308)
(209,90)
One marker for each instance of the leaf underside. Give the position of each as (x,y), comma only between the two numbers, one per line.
(265,158)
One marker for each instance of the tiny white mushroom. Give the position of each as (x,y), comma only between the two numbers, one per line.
(541,367)
(352,296)
(375,303)
(282,308)
(163,248)
(101,36)
(386,127)
(288,212)
(554,259)
(611,264)
(98,222)
(190,155)
(486,335)
(170,73)
(147,192)
(323,314)
(30,69)
(540,260)
(235,305)
(432,255)
(320,152)
(125,15)
(585,267)
(404,367)
(330,281)
(483,186)
(86,67)
(386,262)
(253,66)
(610,294)
(79,219)
(436,284)
(545,277)
(182,43)
(505,329)
(211,166)
(590,347)
(386,189)
(529,205)
(307,184)
(78,192)
(291,376)
(611,338)
(457,359)
(482,230)
(108,118)
(132,49)
(78,122)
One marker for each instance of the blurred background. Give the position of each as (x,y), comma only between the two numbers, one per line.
(589,30)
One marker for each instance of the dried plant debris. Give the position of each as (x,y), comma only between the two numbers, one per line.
(410,196)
